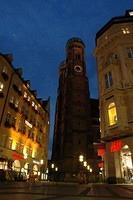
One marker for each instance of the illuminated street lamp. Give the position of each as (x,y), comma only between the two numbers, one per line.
(52,166)
(56,169)
(85,163)
(88,167)
(81,158)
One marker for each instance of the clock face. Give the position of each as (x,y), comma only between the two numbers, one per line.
(78,68)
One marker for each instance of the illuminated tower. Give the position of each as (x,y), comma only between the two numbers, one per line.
(72,119)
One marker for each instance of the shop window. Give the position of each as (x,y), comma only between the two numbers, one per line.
(130,52)
(112,114)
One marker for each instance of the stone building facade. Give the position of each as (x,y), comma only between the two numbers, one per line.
(114,55)
(24,123)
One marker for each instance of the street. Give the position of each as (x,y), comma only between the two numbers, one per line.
(64,191)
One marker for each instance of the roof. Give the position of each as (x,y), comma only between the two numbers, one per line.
(115,20)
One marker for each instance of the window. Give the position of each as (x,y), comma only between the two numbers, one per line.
(108,80)
(130,52)
(112,114)
(1,86)
(25,95)
(77,57)
(21,148)
(125,30)
(9,145)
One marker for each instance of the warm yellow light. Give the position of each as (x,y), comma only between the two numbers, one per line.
(25,156)
(112,114)
(81,158)
(90,170)
(41,162)
(85,163)
(56,169)
(52,165)
(13,145)
(88,167)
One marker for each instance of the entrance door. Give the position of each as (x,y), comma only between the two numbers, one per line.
(126,163)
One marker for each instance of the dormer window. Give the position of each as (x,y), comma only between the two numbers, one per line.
(5,73)
(125,30)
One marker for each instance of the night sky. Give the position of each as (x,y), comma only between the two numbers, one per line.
(36,32)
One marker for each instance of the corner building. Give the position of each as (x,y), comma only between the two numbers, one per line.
(24,123)
(114,54)
(72,136)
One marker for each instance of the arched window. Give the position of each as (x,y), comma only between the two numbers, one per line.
(112,114)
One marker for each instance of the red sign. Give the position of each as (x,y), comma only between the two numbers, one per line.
(101,152)
(116,146)
(17,156)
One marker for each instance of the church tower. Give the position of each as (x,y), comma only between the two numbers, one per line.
(72,136)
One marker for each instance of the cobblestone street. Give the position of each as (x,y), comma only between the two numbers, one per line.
(65,191)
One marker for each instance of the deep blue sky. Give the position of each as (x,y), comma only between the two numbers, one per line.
(36,31)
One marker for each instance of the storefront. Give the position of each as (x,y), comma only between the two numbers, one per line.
(119,160)
(126,163)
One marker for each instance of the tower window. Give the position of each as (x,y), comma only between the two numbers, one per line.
(108,80)
(112,114)
(77,57)
(130,52)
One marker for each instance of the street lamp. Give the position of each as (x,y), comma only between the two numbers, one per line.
(88,167)
(52,166)
(81,158)
(85,163)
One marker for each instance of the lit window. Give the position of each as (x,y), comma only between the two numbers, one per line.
(28,98)
(33,104)
(9,143)
(1,86)
(35,107)
(108,80)
(130,13)
(25,95)
(130,52)
(16,103)
(112,114)
(4,69)
(125,30)
(12,99)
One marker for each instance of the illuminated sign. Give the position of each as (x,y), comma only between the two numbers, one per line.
(116,146)
(17,156)
(101,152)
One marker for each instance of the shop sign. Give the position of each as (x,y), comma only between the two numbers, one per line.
(101,152)
(116,146)
(17,156)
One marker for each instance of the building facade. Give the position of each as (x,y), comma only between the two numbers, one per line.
(72,135)
(114,54)
(24,123)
